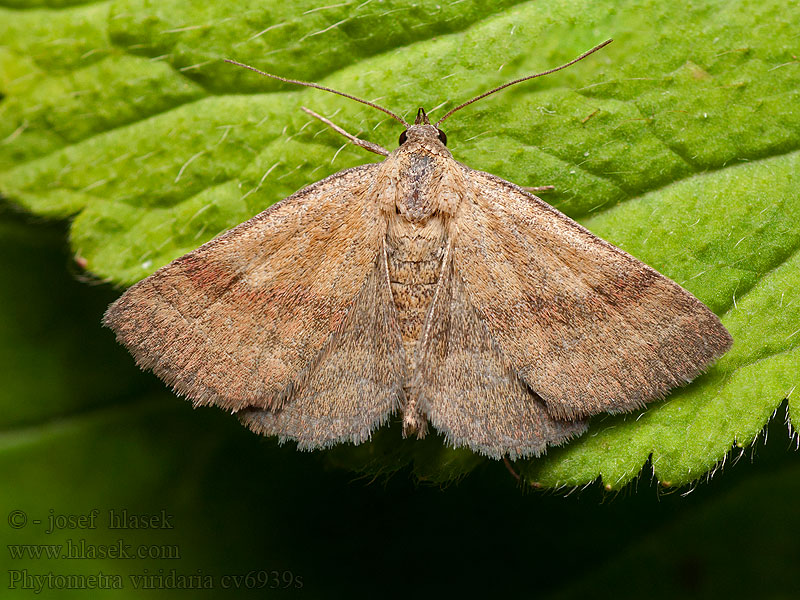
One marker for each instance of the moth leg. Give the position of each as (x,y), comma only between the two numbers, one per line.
(538,188)
(371,146)
(511,468)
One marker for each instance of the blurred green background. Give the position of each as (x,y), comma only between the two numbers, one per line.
(84,429)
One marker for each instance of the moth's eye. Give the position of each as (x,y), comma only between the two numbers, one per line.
(442,136)
(403,138)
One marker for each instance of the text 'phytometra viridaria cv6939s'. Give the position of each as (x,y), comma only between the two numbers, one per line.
(420,287)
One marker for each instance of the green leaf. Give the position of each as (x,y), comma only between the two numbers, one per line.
(679,142)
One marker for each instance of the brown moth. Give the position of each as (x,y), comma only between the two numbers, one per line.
(416,285)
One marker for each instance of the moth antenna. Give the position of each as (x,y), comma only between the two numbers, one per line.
(521,79)
(320,87)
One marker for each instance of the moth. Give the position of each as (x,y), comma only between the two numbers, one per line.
(417,286)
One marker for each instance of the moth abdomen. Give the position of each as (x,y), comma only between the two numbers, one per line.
(414,256)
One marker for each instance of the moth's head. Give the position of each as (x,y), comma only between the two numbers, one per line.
(423,133)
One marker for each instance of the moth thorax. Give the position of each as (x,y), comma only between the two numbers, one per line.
(423,187)
(416,199)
